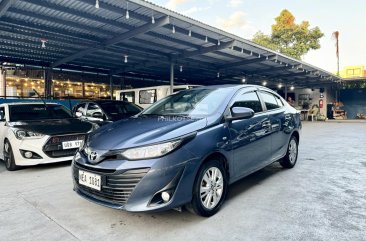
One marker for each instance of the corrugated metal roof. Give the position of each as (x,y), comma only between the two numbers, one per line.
(72,26)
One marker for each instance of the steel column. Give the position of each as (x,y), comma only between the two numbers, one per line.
(111,85)
(48,83)
(171,78)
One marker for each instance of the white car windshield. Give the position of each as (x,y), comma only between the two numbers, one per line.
(194,102)
(37,112)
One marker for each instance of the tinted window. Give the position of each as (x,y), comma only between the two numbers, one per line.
(128,96)
(270,101)
(80,108)
(147,96)
(194,102)
(248,100)
(38,112)
(92,108)
(119,108)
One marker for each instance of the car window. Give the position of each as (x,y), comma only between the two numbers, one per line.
(147,96)
(80,108)
(119,108)
(279,101)
(248,100)
(270,100)
(128,96)
(2,113)
(38,112)
(92,108)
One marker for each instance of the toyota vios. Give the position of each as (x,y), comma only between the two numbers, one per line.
(186,149)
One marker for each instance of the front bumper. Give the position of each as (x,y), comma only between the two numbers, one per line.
(133,185)
(48,152)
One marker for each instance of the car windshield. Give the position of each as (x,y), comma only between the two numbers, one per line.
(120,108)
(193,102)
(37,112)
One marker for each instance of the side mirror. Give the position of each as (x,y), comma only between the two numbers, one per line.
(239,113)
(78,114)
(98,115)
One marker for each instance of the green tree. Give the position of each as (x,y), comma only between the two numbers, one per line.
(289,38)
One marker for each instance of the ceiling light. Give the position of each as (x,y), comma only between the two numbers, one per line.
(292,88)
(279,86)
(264,83)
(97,4)
(218,42)
(190,33)
(243,80)
(259,55)
(218,74)
(44,41)
(127,12)
(181,68)
(251,53)
(152,19)
(126,59)
(206,39)
(242,51)
(173,29)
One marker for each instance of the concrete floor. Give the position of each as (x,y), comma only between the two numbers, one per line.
(322,198)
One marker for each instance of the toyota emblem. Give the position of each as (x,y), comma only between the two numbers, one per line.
(93,156)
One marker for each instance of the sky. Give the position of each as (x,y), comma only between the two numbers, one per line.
(245,17)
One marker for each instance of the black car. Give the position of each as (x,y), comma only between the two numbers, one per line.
(105,111)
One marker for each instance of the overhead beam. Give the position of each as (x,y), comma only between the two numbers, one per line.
(204,50)
(130,34)
(248,61)
(5,5)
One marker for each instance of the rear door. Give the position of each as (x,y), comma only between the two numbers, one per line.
(250,138)
(276,113)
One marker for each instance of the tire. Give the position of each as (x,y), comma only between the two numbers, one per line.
(289,161)
(207,205)
(9,157)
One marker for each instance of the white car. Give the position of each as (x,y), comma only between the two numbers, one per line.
(33,133)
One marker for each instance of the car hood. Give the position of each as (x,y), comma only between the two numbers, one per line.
(54,127)
(142,131)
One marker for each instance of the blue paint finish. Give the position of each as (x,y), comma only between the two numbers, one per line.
(66,103)
(246,144)
(354,101)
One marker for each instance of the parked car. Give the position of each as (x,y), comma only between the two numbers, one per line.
(105,111)
(36,133)
(186,149)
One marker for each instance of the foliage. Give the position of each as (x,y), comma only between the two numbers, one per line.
(289,38)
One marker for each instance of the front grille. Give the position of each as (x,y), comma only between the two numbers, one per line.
(53,147)
(116,188)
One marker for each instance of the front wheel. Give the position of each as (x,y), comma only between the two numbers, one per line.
(210,189)
(9,157)
(289,161)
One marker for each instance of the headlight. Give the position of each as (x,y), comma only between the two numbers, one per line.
(152,151)
(21,134)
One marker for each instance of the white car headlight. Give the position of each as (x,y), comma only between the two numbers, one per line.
(21,134)
(152,151)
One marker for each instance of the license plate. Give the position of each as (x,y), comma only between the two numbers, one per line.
(90,180)
(71,144)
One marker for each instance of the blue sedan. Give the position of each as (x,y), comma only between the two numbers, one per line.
(186,149)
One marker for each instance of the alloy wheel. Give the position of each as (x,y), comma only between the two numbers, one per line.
(211,188)
(292,151)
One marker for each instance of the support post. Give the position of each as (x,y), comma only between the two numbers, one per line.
(286,91)
(48,83)
(83,88)
(111,85)
(3,82)
(171,77)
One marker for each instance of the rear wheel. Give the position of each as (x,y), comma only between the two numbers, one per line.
(289,161)
(209,189)
(9,157)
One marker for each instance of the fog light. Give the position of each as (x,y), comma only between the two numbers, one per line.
(165,196)
(28,154)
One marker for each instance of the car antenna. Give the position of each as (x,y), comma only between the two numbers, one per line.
(44,102)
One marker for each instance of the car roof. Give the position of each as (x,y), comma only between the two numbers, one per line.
(29,103)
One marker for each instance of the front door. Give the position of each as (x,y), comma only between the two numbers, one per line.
(250,138)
